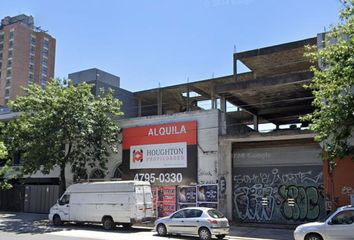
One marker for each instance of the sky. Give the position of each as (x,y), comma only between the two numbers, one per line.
(151,43)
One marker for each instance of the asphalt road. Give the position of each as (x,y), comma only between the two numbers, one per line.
(18,226)
(24,226)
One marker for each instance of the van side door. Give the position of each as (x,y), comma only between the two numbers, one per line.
(140,202)
(149,210)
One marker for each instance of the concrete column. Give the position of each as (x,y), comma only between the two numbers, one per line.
(223,104)
(235,66)
(188,100)
(159,102)
(139,107)
(213,99)
(255,122)
(225,177)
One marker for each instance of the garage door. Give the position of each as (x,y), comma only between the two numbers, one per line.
(279,183)
(39,198)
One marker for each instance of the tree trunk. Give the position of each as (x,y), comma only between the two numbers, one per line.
(62,179)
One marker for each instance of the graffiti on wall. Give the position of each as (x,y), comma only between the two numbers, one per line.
(347,190)
(278,194)
(300,203)
(250,204)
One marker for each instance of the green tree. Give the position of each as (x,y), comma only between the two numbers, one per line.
(4,184)
(333,87)
(63,126)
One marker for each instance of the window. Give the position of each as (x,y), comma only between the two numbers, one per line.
(97,173)
(10,54)
(179,214)
(80,174)
(45,62)
(1,37)
(118,173)
(33,49)
(1,46)
(30,78)
(215,214)
(8,73)
(31,59)
(44,70)
(11,34)
(11,44)
(0,55)
(45,53)
(33,40)
(8,82)
(9,63)
(194,213)
(45,43)
(43,85)
(64,200)
(344,217)
(31,67)
(7,92)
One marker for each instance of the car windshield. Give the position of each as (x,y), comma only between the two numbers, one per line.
(328,216)
(215,214)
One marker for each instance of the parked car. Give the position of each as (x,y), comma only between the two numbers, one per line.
(205,222)
(338,226)
(109,203)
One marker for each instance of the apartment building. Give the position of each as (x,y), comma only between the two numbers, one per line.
(27,55)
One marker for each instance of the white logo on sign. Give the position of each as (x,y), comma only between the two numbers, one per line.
(169,130)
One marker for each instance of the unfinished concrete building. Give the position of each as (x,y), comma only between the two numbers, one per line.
(246,138)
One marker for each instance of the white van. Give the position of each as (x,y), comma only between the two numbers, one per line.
(110,203)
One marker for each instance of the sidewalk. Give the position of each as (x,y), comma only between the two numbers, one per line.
(261,233)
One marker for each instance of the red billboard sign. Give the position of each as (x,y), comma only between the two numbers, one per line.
(161,154)
(162,133)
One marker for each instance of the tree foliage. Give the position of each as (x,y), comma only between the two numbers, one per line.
(333,87)
(63,126)
(4,184)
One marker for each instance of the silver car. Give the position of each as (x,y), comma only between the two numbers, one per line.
(338,226)
(205,222)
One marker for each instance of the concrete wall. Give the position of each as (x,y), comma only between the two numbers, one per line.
(94,74)
(129,102)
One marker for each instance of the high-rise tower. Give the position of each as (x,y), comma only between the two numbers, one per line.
(27,55)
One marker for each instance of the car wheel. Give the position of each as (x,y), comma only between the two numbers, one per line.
(220,236)
(313,236)
(108,223)
(57,221)
(161,230)
(204,234)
